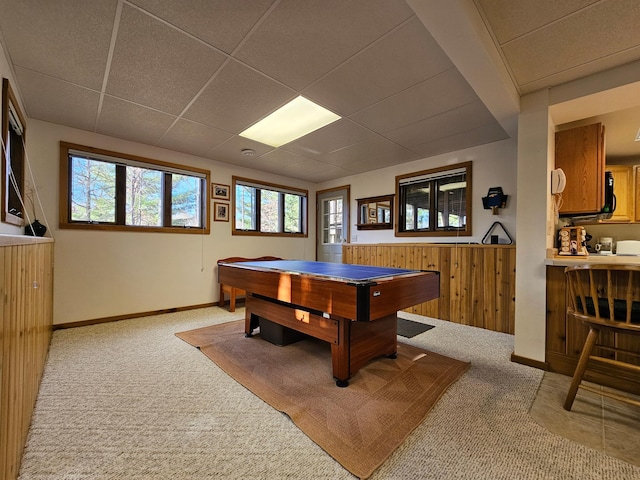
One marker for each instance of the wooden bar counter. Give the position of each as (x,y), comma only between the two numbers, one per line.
(565,337)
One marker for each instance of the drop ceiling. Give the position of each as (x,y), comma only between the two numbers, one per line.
(190,75)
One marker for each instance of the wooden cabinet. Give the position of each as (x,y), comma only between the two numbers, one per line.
(624,189)
(636,191)
(580,153)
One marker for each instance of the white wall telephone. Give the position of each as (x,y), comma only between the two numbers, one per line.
(558,181)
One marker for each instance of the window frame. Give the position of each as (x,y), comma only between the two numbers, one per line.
(65,221)
(400,214)
(281,189)
(9,101)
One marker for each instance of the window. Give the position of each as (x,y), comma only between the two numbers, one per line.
(266,209)
(13,141)
(435,202)
(332,220)
(113,191)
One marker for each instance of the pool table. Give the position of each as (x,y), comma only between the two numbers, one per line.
(353,307)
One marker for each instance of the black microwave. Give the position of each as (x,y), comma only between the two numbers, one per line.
(609,197)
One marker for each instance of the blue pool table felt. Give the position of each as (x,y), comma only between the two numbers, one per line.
(342,271)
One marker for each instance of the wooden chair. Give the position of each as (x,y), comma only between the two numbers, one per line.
(232,291)
(605,298)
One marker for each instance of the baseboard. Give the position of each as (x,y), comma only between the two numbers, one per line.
(529,362)
(116,318)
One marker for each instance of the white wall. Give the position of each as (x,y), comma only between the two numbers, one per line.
(494,165)
(102,274)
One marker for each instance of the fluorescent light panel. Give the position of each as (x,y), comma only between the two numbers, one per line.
(291,121)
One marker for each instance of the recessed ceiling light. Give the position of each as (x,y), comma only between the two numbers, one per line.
(293,120)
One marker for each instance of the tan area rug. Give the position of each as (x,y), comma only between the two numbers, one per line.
(359,426)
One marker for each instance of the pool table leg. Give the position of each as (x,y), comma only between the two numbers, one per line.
(340,353)
(361,342)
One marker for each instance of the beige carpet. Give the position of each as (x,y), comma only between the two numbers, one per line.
(359,426)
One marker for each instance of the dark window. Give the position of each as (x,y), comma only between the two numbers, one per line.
(13,141)
(435,202)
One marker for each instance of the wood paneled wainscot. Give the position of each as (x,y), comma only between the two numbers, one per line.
(26,318)
(477,282)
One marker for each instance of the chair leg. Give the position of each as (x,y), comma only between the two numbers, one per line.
(581,367)
(221,298)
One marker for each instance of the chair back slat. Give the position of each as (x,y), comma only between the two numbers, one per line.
(610,295)
(629,297)
(593,291)
(607,293)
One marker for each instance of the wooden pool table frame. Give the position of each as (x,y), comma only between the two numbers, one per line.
(358,318)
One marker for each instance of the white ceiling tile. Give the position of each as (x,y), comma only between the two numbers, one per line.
(361,81)
(591,34)
(52,100)
(334,136)
(193,138)
(301,41)
(62,39)
(156,65)
(231,150)
(220,23)
(513,18)
(479,136)
(438,94)
(238,97)
(323,174)
(579,71)
(464,118)
(283,159)
(367,151)
(122,119)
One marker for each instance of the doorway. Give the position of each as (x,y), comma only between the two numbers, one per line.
(332,207)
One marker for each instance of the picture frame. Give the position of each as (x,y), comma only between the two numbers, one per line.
(221,191)
(220,212)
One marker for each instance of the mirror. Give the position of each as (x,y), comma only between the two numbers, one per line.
(375,213)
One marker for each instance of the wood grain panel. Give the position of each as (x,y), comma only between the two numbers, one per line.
(477,282)
(299,320)
(26,318)
(372,339)
(556,311)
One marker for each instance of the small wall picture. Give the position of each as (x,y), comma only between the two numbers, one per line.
(220,212)
(220,191)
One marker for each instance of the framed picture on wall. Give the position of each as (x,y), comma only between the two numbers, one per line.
(220,191)
(220,212)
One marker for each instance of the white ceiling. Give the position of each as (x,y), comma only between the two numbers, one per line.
(190,75)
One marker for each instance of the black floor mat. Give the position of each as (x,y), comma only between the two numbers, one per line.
(409,328)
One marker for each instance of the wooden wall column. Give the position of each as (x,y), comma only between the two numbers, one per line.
(26,318)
